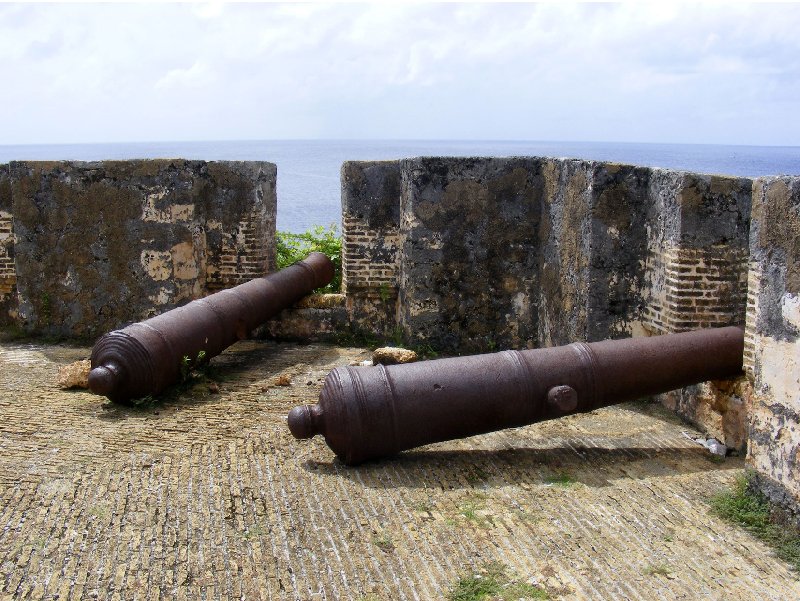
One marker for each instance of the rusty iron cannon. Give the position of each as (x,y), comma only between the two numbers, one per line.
(144,358)
(372,412)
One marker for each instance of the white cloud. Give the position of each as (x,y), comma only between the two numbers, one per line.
(197,75)
(631,71)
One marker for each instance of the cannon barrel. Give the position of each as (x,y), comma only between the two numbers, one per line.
(371,412)
(146,357)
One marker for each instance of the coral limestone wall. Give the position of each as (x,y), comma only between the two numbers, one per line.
(468,274)
(520,252)
(773,333)
(98,245)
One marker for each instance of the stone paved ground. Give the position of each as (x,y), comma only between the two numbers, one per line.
(208,497)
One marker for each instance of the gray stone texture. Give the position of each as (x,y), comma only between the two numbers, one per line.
(593,238)
(371,192)
(522,252)
(468,268)
(773,337)
(99,245)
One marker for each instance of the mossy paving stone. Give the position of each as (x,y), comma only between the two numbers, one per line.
(209,497)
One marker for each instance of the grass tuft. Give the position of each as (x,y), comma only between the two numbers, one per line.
(562,479)
(660,569)
(383,541)
(747,507)
(494,582)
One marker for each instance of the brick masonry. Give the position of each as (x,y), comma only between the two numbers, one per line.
(8,273)
(773,335)
(370,243)
(701,288)
(113,242)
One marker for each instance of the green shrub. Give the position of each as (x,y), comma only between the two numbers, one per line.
(292,248)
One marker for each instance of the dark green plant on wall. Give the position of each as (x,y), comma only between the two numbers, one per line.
(294,247)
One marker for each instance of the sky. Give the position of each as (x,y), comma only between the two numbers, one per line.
(634,72)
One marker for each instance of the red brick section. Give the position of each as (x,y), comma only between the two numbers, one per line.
(8,274)
(245,256)
(702,288)
(370,268)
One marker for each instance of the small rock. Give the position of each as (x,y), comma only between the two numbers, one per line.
(390,355)
(75,375)
(361,363)
(213,387)
(716,447)
(283,380)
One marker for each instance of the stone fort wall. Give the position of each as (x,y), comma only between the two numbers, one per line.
(90,247)
(475,254)
(460,254)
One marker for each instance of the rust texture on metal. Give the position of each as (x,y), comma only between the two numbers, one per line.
(146,357)
(371,412)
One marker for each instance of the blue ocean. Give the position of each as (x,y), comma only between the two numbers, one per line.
(308,170)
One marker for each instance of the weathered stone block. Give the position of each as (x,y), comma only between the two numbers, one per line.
(370,242)
(621,211)
(99,245)
(773,328)
(316,317)
(8,273)
(696,277)
(696,272)
(468,268)
(593,240)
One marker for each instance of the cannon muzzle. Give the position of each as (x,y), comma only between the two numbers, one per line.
(371,412)
(144,358)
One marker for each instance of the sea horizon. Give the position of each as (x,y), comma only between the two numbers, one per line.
(308,169)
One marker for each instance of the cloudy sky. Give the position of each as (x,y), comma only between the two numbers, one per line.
(638,72)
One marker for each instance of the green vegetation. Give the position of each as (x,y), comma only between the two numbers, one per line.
(257,530)
(292,248)
(383,541)
(188,365)
(660,569)
(750,509)
(47,308)
(494,582)
(469,510)
(562,479)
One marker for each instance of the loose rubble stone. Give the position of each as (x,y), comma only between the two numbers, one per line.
(390,355)
(75,375)
(283,380)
